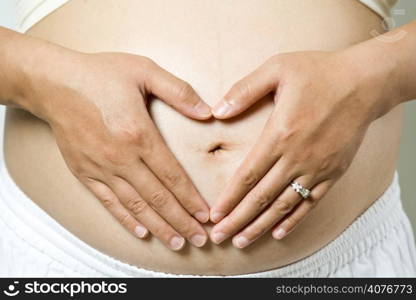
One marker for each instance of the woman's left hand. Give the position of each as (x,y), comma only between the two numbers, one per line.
(324,104)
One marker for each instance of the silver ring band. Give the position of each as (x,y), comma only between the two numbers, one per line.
(304,192)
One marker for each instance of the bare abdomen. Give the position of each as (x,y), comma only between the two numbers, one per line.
(211,44)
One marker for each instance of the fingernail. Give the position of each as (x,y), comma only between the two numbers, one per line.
(202,216)
(222,109)
(140,231)
(279,234)
(241,242)
(198,240)
(177,242)
(218,237)
(216,216)
(202,109)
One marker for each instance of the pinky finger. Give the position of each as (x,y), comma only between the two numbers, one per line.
(301,211)
(113,205)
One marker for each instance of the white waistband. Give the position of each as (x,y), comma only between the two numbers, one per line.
(30,12)
(31,224)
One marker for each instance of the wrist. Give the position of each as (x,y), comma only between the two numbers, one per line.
(43,75)
(17,56)
(10,92)
(371,81)
(373,74)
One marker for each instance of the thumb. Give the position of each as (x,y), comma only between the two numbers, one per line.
(247,91)
(176,93)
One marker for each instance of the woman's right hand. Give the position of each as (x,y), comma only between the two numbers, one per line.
(96,107)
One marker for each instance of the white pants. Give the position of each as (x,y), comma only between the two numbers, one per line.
(378,244)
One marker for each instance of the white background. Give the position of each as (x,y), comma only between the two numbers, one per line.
(407,161)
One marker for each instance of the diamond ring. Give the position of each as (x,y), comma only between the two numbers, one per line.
(304,192)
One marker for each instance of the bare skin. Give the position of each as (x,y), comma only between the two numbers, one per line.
(305,139)
(33,157)
(106,135)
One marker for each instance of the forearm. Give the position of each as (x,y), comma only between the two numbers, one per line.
(386,64)
(24,63)
(9,67)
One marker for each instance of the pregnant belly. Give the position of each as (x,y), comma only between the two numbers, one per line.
(210,44)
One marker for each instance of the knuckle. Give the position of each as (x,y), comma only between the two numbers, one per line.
(249,178)
(308,155)
(283,207)
(125,220)
(159,199)
(172,179)
(111,155)
(286,133)
(262,200)
(136,206)
(107,201)
(131,133)
(331,168)
(183,91)
(242,88)
(189,203)
(324,166)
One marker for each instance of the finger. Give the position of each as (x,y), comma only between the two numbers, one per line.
(161,161)
(247,91)
(300,213)
(165,204)
(113,205)
(281,207)
(132,201)
(276,181)
(257,163)
(264,193)
(175,92)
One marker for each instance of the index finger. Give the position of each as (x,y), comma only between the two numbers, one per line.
(168,170)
